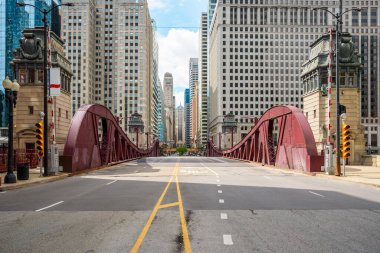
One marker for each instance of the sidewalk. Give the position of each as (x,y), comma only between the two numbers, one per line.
(359,174)
(34,178)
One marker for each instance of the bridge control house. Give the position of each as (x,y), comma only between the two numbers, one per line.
(28,68)
(316,100)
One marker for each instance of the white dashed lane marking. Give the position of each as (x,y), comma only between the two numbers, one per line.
(227,240)
(111,182)
(49,206)
(221,201)
(223,216)
(317,194)
(220,191)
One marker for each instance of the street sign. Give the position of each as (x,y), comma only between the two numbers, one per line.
(55,82)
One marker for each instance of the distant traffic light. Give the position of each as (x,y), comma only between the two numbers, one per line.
(346,141)
(40,138)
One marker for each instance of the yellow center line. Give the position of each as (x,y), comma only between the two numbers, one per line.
(145,230)
(185,233)
(169,205)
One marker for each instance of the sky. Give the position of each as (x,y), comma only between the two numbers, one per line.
(177,33)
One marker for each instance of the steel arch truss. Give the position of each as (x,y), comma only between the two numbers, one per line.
(282,137)
(95,139)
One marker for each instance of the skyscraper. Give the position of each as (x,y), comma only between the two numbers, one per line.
(115,58)
(180,126)
(78,32)
(193,78)
(257,51)
(169,106)
(187,109)
(203,81)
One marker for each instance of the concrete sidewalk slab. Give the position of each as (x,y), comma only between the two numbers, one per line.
(34,178)
(369,175)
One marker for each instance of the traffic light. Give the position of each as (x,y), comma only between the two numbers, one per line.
(40,138)
(346,141)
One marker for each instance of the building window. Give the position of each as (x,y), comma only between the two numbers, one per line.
(67,114)
(31,110)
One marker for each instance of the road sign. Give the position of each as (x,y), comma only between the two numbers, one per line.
(55,82)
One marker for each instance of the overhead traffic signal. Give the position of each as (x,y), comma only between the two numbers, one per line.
(346,141)
(40,138)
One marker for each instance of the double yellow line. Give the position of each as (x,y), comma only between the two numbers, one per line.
(185,233)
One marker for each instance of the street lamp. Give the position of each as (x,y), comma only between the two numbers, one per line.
(339,23)
(46,69)
(11,90)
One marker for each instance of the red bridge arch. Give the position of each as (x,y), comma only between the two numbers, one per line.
(86,150)
(294,147)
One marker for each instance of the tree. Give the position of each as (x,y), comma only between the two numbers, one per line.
(181,150)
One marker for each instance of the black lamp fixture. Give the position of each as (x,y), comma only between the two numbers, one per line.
(11,90)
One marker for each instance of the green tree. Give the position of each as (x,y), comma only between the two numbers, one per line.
(181,150)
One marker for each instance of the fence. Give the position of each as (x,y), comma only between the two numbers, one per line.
(28,156)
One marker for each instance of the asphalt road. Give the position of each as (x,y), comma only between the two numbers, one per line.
(191,204)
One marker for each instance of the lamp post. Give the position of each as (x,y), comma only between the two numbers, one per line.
(46,70)
(11,90)
(220,140)
(338,16)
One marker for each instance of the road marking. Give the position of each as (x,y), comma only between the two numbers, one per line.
(221,201)
(169,205)
(49,206)
(223,216)
(143,233)
(111,182)
(218,180)
(316,194)
(227,240)
(268,178)
(219,191)
(218,185)
(185,234)
(216,174)
(3,191)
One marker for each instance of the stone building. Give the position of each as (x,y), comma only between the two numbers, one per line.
(315,83)
(27,65)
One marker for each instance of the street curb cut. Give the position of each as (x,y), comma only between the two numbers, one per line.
(47,180)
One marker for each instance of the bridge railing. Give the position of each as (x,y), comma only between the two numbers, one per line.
(95,139)
(282,137)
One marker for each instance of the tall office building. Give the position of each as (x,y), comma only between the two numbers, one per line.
(162,116)
(193,77)
(187,109)
(194,117)
(180,126)
(78,32)
(211,10)
(115,58)
(156,98)
(169,105)
(257,51)
(203,81)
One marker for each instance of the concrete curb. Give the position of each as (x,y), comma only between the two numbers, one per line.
(42,181)
(341,178)
(321,174)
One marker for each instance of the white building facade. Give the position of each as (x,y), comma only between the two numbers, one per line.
(257,48)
